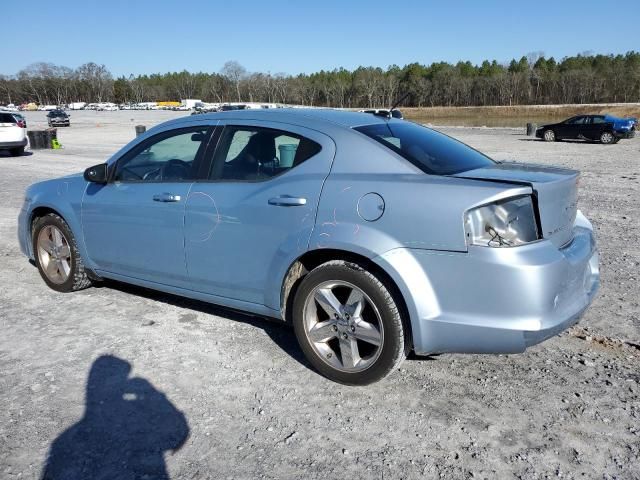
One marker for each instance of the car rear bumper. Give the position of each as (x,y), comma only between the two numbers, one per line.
(16,144)
(496,300)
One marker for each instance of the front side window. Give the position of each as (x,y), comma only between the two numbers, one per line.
(598,119)
(256,153)
(577,120)
(168,157)
(431,151)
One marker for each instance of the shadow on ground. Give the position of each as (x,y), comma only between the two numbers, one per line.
(126,428)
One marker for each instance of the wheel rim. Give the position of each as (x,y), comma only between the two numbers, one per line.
(343,326)
(549,135)
(606,137)
(54,254)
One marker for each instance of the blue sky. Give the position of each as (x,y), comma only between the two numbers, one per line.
(144,36)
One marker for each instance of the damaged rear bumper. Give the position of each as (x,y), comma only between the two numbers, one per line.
(496,300)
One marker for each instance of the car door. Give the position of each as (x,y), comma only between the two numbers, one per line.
(595,127)
(134,225)
(573,127)
(256,212)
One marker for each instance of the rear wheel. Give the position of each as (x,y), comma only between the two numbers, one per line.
(348,324)
(549,136)
(607,138)
(16,152)
(57,256)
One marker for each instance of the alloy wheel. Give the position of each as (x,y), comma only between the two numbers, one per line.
(343,326)
(54,254)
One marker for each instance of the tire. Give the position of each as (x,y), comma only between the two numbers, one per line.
(549,135)
(16,152)
(362,343)
(607,138)
(57,256)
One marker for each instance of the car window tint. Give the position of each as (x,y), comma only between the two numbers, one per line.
(598,119)
(255,153)
(166,157)
(7,118)
(431,151)
(578,120)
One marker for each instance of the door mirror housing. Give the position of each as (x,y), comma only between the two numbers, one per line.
(97,174)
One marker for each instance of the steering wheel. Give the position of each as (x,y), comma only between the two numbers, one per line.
(175,169)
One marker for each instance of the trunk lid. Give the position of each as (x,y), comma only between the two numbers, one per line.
(554,190)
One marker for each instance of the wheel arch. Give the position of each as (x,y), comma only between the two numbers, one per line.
(68,214)
(311,259)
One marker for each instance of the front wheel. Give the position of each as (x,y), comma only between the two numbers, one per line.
(57,256)
(607,138)
(549,136)
(348,324)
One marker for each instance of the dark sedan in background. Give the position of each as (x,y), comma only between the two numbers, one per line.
(58,118)
(603,128)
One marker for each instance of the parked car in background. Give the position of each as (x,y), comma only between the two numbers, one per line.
(229,108)
(13,133)
(58,118)
(46,108)
(603,128)
(373,236)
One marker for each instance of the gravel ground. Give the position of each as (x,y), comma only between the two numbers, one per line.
(204,392)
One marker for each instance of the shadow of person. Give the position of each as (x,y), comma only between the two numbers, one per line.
(126,428)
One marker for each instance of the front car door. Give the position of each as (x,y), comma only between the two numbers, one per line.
(257,210)
(572,128)
(134,225)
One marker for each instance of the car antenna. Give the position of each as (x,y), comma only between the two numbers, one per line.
(398,102)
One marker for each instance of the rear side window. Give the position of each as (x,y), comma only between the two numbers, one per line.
(256,153)
(7,118)
(431,151)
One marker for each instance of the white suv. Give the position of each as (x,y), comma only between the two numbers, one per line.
(13,133)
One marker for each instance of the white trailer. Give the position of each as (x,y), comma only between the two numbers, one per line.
(77,105)
(190,103)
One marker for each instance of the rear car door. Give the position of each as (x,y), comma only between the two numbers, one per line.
(255,214)
(595,127)
(134,225)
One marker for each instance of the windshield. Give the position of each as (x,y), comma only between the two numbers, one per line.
(431,151)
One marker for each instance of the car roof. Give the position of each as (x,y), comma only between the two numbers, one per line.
(302,116)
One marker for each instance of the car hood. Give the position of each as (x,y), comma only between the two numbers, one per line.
(555,193)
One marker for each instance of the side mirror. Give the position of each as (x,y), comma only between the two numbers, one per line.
(96,174)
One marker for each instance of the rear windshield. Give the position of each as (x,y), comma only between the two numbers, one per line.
(431,151)
(7,118)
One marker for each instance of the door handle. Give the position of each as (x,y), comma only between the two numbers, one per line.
(166,197)
(287,201)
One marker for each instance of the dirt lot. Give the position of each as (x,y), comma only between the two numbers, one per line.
(216,394)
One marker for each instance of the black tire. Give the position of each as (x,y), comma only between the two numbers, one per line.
(16,152)
(607,138)
(394,347)
(77,278)
(549,136)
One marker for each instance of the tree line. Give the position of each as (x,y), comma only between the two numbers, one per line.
(533,79)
